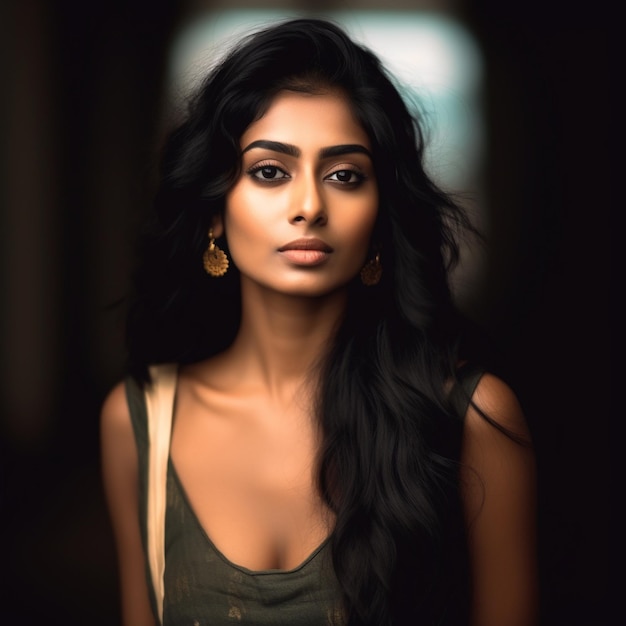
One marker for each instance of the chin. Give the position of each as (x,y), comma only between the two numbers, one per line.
(309,285)
(322,291)
(311,290)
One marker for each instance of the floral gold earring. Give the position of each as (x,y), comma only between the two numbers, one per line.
(372,271)
(214,259)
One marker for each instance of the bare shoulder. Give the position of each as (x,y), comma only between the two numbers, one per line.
(120,478)
(493,398)
(497,447)
(499,493)
(116,434)
(115,412)
(116,431)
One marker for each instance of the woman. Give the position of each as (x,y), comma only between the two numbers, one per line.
(326,465)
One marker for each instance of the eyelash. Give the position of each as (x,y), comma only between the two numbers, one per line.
(253,171)
(269,166)
(360,177)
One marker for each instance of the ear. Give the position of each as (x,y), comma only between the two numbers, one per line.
(218,225)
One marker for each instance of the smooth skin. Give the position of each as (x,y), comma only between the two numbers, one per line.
(244,438)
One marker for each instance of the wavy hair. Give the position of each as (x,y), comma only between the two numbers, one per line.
(388,463)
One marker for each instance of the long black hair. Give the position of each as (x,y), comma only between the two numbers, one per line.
(388,463)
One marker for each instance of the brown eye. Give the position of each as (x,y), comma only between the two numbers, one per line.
(268,173)
(346,177)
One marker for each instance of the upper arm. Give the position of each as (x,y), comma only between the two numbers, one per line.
(120,477)
(499,491)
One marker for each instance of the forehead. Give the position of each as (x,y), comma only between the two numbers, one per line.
(303,119)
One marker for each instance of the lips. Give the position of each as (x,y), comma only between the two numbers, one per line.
(306,251)
(306,243)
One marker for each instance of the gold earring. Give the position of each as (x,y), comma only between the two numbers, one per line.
(214,259)
(372,271)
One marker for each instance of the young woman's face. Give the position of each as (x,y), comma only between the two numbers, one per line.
(300,217)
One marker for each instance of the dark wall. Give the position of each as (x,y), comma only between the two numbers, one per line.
(80,110)
(549,301)
(555,121)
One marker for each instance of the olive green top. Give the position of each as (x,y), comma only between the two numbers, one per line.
(204,588)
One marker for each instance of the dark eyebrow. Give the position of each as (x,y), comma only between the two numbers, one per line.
(291,150)
(275,146)
(349,148)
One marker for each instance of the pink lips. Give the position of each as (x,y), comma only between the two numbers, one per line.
(306,251)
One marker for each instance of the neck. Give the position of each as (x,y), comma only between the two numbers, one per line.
(282,337)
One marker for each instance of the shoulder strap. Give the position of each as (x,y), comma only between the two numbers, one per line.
(159,406)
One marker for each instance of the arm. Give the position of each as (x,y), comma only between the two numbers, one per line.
(120,475)
(499,494)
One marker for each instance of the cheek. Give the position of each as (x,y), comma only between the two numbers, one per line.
(363,225)
(241,218)
(237,229)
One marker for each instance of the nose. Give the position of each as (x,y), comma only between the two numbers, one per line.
(308,203)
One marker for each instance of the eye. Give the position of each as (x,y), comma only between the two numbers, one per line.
(346,177)
(268,173)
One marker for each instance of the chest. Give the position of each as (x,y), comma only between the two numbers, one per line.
(203,586)
(248,469)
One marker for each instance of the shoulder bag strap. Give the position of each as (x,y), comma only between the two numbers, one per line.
(159,406)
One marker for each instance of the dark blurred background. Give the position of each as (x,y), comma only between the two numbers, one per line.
(82,90)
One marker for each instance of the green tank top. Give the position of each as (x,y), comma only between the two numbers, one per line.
(204,588)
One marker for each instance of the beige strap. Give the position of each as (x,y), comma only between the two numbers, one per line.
(159,406)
